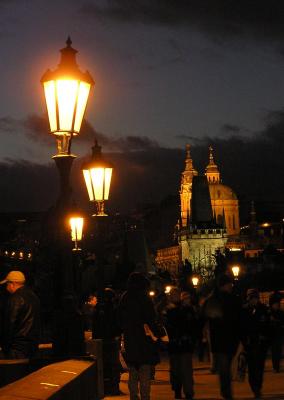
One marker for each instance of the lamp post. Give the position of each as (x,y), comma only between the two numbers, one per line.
(76,225)
(236,272)
(168,289)
(195,281)
(66,91)
(97,174)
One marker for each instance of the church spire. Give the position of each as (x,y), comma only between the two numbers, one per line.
(189,162)
(185,187)
(212,171)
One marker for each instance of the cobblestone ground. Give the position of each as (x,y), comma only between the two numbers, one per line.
(206,385)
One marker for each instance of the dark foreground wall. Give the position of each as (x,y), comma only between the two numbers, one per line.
(70,380)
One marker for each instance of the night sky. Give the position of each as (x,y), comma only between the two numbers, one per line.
(167,73)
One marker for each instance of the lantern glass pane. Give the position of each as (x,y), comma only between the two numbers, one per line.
(76,228)
(50,98)
(97,175)
(84,89)
(67,91)
(108,173)
(88,181)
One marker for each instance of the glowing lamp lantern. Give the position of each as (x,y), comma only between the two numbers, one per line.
(97,174)
(152,293)
(66,92)
(168,289)
(236,271)
(76,225)
(195,281)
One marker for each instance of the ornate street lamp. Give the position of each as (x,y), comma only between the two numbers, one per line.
(236,271)
(195,281)
(97,174)
(76,225)
(66,92)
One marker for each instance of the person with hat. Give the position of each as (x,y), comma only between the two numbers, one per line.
(21,323)
(276,329)
(222,310)
(255,338)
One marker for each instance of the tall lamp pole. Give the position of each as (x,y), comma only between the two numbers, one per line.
(97,174)
(66,91)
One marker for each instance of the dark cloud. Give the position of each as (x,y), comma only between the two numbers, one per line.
(259,18)
(252,167)
(230,129)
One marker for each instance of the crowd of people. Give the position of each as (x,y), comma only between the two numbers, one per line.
(232,330)
(133,325)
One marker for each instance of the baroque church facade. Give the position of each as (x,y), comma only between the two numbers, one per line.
(224,202)
(209,218)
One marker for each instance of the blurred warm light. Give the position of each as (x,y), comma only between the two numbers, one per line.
(97,174)
(6,253)
(265,225)
(21,255)
(66,92)
(168,289)
(152,293)
(236,271)
(235,249)
(13,253)
(76,224)
(29,255)
(195,281)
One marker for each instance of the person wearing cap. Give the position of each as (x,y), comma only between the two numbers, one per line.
(255,337)
(276,329)
(21,323)
(222,310)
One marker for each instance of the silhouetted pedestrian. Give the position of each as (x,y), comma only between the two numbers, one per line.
(255,326)
(139,324)
(181,326)
(222,310)
(21,324)
(106,327)
(276,330)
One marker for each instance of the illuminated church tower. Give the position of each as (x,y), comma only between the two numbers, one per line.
(186,188)
(224,202)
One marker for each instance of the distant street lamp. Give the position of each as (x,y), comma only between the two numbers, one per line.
(151,293)
(76,225)
(97,174)
(236,271)
(195,281)
(168,289)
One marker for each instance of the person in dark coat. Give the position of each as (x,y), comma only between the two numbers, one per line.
(222,311)
(21,323)
(255,332)
(139,325)
(276,330)
(181,325)
(105,327)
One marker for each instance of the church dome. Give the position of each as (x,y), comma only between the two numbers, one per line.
(218,191)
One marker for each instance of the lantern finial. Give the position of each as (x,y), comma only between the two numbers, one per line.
(69,41)
(96,150)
